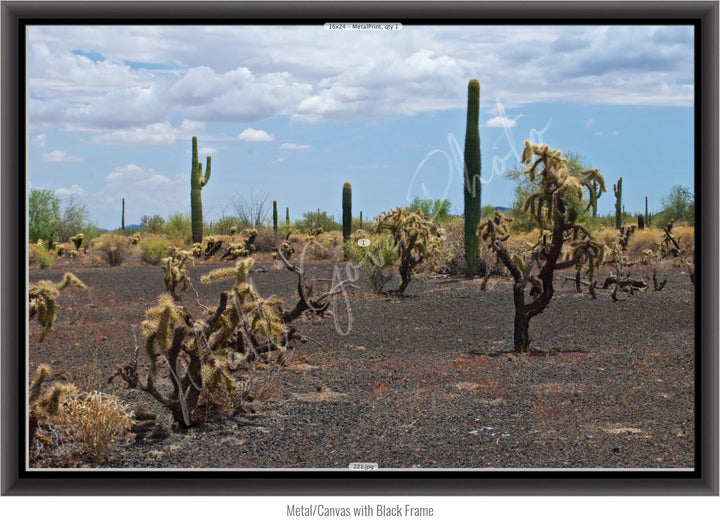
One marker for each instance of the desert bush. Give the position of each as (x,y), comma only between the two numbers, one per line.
(267,240)
(113,248)
(39,255)
(224,226)
(154,247)
(375,257)
(179,226)
(152,224)
(686,237)
(313,221)
(643,240)
(95,419)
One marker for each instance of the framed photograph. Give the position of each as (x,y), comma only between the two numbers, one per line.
(389,248)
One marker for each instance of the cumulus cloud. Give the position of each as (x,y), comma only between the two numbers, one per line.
(59,156)
(290,145)
(39,141)
(310,74)
(256,135)
(72,190)
(501,122)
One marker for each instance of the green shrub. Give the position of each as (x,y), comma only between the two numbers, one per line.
(154,248)
(375,258)
(41,256)
(179,226)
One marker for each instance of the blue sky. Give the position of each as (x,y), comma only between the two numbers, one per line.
(296,111)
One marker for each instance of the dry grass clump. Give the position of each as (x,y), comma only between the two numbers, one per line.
(113,248)
(607,236)
(267,240)
(642,240)
(95,419)
(325,246)
(685,236)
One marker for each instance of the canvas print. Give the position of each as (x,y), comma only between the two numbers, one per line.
(361,247)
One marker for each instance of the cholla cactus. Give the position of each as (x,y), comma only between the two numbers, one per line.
(42,300)
(77,240)
(548,206)
(286,249)
(176,271)
(135,239)
(201,356)
(241,249)
(45,404)
(197,249)
(416,236)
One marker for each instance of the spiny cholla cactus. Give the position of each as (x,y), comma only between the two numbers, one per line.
(45,403)
(548,206)
(176,271)
(242,249)
(416,236)
(77,240)
(42,300)
(202,355)
(197,249)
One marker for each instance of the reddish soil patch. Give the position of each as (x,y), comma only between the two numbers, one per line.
(428,381)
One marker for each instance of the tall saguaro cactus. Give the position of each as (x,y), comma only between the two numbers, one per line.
(472,177)
(197,182)
(275,217)
(122,223)
(347,210)
(617,189)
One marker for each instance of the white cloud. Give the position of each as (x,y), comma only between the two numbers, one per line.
(39,141)
(311,74)
(72,190)
(59,156)
(130,173)
(153,134)
(590,123)
(154,180)
(277,161)
(501,122)
(256,135)
(290,145)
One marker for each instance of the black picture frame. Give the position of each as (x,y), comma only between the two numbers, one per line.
(16,480)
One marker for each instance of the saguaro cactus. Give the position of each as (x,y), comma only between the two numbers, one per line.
(122,223)
(275,217)
(617,189)
(287,217)
(641,222)
(472,177)
(347,210)
(197,182)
